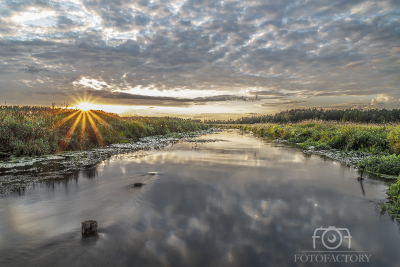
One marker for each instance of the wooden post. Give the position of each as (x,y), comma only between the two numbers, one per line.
(89,227)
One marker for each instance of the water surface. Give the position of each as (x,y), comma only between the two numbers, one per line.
(236,202)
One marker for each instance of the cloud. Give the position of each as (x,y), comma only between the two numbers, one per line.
(272,49)
(354,66)
(272,95)
(33,69)
(282,103)
(121,98)
(385,101)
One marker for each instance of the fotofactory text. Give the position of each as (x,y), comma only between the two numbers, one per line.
(326,244)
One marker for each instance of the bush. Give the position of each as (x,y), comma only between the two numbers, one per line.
(392,207)
(381,164)
(35,131)
(371,139)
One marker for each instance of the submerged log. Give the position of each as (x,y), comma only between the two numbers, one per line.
(89,227)
(138,184)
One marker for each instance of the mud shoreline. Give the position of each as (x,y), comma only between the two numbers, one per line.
(17,173)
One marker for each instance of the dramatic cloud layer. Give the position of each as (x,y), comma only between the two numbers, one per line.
(284,51)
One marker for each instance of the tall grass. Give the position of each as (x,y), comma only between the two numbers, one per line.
(34,131)
(382,141)
(375,139)
(392,205)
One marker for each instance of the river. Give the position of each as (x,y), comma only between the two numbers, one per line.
(234,200)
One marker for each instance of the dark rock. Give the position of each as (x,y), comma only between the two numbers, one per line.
(89,227)
(138,184)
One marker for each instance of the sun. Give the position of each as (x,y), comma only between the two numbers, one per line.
(85,106)
(86,115)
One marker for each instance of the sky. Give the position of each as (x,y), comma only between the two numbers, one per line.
(199,58)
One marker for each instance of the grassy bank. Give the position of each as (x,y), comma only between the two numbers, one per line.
(382,142)
(392,205)
(302,114)
(35,131)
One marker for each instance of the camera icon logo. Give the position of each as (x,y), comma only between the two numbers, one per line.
(331,237)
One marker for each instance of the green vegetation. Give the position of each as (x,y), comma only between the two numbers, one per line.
(373,139)
(381,164)
(380,141)
(392,206)
(35,131)
(297,115)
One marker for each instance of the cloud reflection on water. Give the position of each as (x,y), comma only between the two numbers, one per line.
(212,208)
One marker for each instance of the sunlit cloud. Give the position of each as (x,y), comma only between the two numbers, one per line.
(92,83)
(180,50)
(32,15)
(385,101)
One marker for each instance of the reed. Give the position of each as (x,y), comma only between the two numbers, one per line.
(35,130)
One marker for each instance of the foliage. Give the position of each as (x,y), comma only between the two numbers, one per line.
(392,207)
(374,139)
(35,131)
(379,141)
(298,115)
(382,164)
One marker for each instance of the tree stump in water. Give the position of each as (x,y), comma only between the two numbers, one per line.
(138,184)
(89,227)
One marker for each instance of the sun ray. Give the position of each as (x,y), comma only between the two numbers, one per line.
(67,138)
(97,117)
(85,106)
(86,99)
(111,115)
(83,131)
(96,131)
(104,123)
(61,122)
(84,116)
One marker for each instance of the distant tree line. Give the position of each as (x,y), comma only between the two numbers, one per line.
(145,119)
(297,115)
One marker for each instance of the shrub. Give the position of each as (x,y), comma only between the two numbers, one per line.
(392,207)
(34,131)
(382,164)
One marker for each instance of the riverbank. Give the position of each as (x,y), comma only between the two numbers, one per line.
(240,195)
(37,131)
(19,172)
(373,147)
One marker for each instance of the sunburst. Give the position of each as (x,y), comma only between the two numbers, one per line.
(84,106)
(82,116)
(85,116)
